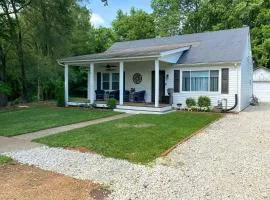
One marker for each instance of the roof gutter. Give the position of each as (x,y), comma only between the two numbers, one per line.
(106,60)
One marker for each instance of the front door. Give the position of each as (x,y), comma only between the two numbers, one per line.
(161,85)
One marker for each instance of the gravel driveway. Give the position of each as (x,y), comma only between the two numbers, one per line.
(228,160)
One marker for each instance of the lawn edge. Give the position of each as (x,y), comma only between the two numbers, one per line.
(166,152)
(59,126)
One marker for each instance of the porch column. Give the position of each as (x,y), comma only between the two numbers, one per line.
(66,85)
(156,83)
(121,83)
(91,82)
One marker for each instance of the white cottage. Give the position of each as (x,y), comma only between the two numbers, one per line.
(139,73)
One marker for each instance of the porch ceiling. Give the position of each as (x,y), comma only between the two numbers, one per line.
(143,53)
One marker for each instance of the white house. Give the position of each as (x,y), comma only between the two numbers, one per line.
(214,64)
(261,84)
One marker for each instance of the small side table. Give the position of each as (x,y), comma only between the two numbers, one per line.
(131,97)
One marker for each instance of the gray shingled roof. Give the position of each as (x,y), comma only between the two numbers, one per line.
(207,47)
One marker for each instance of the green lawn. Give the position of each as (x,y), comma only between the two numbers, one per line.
(140,138)
(5,160)
(38,117)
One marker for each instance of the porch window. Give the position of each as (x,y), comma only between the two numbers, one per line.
(106,81)
(115,81)
(186,81)
(200,81)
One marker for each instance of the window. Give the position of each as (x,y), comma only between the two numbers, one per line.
(106,81)
(176,80)
(115,81)
(225,81)
(206,80)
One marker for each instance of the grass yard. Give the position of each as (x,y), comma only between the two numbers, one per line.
(139,138)
(5,160)
(38,117)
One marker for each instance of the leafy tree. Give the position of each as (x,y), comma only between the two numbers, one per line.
(104,38)
(136,25)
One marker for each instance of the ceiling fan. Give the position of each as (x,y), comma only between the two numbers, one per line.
(110,68)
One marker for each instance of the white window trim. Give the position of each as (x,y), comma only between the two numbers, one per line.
(196,92)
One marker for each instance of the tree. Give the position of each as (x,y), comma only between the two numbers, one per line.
(11,10)
(136,25)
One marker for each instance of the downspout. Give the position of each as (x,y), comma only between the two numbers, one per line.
(234,106)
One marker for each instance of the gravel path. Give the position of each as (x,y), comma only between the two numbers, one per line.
(229,160)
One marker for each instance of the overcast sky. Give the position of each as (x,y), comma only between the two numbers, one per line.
(104,15)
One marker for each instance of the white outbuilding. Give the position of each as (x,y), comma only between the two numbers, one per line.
(261,84)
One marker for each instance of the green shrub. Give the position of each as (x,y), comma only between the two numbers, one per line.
(204,101)
(111,103)
(60,94)
(190,102)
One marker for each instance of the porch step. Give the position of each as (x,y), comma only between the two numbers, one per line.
(143,109)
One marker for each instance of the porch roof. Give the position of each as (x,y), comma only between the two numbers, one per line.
(151,52)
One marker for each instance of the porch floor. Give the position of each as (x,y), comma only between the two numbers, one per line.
(139,104)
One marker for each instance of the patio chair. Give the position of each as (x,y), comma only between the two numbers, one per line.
(139,96)
(114,94)
(100,95)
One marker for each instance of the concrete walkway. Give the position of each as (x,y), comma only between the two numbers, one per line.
(51,131)
(13,144)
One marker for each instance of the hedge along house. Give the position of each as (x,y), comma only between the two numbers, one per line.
(139,73)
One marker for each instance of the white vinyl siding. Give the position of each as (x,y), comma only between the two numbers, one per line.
(246,77)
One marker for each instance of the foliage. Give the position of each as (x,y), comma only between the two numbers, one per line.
(190,102)
(136,25)
(4,88)
(42,116)
(204,101)
(60,94)
(111,103)
(139,138)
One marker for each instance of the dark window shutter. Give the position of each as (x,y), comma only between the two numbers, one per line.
(98,80)
(176,80)
(225,81)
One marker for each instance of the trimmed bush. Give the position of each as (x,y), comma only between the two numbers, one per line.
(204,101)
(111,103)
(190,102)
(60,94)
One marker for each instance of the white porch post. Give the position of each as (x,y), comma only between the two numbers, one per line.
(156,83)
(66,84)
(88,83)
(91,79)
(121,83)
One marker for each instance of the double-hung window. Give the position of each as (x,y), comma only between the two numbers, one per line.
(110,81)
(106,81)
(200,81)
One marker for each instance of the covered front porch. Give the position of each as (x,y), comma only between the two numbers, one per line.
(139,83)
